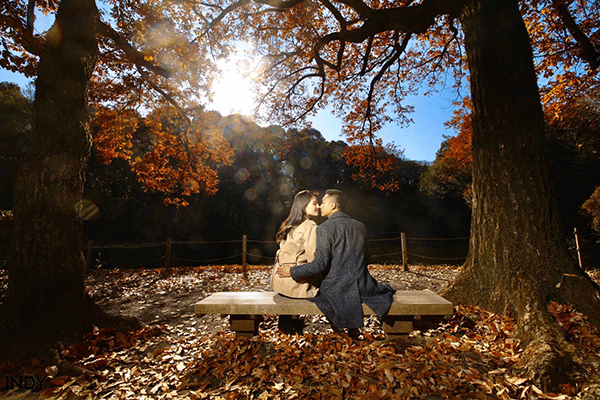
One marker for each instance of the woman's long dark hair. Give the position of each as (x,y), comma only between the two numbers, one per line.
(297,214)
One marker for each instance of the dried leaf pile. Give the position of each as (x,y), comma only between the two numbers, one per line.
(180,356)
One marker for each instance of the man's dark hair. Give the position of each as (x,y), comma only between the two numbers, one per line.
(338,197)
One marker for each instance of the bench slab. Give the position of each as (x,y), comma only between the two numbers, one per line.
(406,303)
(247,308)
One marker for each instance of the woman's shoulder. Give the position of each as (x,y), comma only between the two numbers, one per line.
(307,224)
(304,227)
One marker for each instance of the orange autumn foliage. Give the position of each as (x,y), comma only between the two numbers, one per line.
(180,159)
(450,173)
(114,133)
(458,149)
(376,164)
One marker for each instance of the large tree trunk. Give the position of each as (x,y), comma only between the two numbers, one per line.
(46,294)
(518,259)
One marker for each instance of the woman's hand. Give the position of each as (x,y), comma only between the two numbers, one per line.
(283,271)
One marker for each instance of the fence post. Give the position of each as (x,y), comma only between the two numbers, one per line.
(244,251)
(88,256)
(578,247)
(168,255)
(404,254)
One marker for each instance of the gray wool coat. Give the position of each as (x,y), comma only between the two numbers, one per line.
(342,254)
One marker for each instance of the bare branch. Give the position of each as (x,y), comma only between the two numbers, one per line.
(285,78)
(359,6)
(454,31)
(146,77)
(336,14)
(398,50)
(290,91)
(366,57)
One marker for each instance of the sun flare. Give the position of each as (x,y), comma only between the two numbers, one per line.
(233,89)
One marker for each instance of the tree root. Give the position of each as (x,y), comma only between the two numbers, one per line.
(549,365)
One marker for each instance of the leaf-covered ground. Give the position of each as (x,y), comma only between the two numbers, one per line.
(180,356)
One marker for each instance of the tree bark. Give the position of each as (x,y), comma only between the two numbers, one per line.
(46,296)
(518,259)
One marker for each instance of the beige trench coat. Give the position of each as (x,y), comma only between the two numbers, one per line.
(298,248)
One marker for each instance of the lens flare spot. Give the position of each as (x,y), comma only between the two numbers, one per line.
(288,170)
(285,187)
(306,163)
(277,208)
(86,210)
(241,176)
(54,35)
(251,194)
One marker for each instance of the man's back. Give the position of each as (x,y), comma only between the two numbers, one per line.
(347,239)
(342,253)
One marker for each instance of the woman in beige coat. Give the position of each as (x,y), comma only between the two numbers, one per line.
(297,240)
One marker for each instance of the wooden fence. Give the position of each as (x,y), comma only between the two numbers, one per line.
(398,247)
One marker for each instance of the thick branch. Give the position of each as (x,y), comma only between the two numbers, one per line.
(281,4)
(588,50)
(30,15)
(415,19)
(366,57)
(133,55)
(30,42)
(224,13)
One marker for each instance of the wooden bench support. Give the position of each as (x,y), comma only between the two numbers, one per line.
(247,308)
(245,325)
(397,327)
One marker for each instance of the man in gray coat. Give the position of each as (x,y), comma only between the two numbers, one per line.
(342,256)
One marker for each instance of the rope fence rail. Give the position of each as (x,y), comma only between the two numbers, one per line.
(168,257)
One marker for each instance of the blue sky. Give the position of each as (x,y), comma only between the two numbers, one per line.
(419,140)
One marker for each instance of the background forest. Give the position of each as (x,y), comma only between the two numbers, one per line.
(254,189)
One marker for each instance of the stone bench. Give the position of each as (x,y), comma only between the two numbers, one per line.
(247,308)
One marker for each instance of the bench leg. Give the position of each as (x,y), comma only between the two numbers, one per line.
(245,325)
(397,327)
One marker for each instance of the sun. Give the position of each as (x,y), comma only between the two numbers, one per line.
(233,89)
